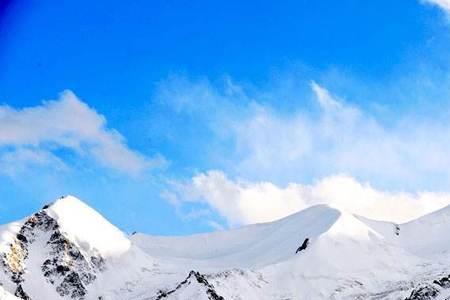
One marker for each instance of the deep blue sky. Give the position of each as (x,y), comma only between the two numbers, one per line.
(121,58)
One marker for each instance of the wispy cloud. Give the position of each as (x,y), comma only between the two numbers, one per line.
(275,162)
(16,161)
(324,98)
(443,4)
(242,202)
(253,139)
(36,135)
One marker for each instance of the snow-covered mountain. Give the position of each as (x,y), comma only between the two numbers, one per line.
(69,251)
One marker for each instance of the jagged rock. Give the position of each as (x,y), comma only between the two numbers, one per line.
(429,291)
(66,267)
(201,279)
(21,294)
(72,285)
(444,282)
(397,230)
(424,293)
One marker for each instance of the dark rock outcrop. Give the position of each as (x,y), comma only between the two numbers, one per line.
(66,267)
(424,293)
(201,279)
(430,291)
(303,246)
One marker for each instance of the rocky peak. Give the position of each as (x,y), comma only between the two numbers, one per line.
(63,264)
(194,278)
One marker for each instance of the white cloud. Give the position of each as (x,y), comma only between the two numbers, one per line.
(341,138)
(35,134)
(16,161)
(270,148)
(443,4)
(325,99)
(248,135)
(241,202)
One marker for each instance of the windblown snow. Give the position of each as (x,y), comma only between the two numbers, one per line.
(69,251)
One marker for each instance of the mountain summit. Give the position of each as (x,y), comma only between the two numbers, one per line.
(87,228)
(67,250)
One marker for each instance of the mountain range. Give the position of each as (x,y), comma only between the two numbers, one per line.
(67,250)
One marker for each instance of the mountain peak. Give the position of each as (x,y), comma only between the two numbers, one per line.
(86,227)
(67,249)
(65,200)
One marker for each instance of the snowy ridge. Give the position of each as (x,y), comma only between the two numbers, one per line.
(92,232)
(49,256)
(69,251)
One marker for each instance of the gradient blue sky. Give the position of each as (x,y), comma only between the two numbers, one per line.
(236,87)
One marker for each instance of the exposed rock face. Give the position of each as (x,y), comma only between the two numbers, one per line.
(303,246)
(65,266)
(430,291)
(397,229)
(69,251)
(21,294)
(199,278)
(444,282)
(424,293)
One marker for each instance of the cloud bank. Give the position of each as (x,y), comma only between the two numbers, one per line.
(241,202)
(285,161)
(38,135)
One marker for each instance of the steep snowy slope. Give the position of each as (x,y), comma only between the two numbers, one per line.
(69,251)
(87,228)
(428,235)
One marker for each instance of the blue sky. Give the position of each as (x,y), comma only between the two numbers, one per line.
(172,117)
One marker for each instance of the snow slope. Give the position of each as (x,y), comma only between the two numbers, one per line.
(428,235)
(343,252)
(69,251)
(4,295)
(88,228)
(259,245)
